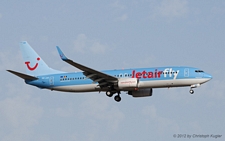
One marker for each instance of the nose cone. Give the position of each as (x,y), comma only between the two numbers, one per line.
(208,76)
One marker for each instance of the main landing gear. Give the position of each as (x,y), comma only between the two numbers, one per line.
(109,93)
(117,98)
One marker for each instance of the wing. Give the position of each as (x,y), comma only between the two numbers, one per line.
(103,79)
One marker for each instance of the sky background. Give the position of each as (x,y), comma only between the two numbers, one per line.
(112,34)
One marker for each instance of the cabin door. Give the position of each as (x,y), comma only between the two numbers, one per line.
(51,81)
(186,72)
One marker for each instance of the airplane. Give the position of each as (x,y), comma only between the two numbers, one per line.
(137,82)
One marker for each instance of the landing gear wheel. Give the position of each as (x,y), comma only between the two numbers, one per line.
(117,98)
(109,93)
(191,91)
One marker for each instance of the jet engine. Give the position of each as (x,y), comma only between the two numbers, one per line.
(128,83)
(141,93)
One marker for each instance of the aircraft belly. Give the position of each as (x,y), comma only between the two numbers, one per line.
(170,83)
(77,88)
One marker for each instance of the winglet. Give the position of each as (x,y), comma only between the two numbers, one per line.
(63,57)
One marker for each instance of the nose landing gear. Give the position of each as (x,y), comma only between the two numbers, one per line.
(191,91)
(194,86)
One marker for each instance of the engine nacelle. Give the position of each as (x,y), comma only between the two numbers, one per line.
(127,83)
(141,93)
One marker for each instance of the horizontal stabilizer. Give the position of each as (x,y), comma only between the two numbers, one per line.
(24,76)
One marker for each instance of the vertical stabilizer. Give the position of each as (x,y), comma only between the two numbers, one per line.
(34,64)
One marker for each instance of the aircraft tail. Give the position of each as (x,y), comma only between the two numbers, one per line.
(34,64)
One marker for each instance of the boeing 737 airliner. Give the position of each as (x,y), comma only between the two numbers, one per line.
(137,82)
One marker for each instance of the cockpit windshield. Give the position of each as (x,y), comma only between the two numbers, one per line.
(199,71)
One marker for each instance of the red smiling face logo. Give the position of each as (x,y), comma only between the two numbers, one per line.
(32,68)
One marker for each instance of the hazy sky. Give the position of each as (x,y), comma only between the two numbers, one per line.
(107,35)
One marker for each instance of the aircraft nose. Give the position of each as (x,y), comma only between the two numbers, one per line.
(208,76)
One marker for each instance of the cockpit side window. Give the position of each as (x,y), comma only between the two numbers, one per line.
(199,71)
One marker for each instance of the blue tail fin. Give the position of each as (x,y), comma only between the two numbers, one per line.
(34,64)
